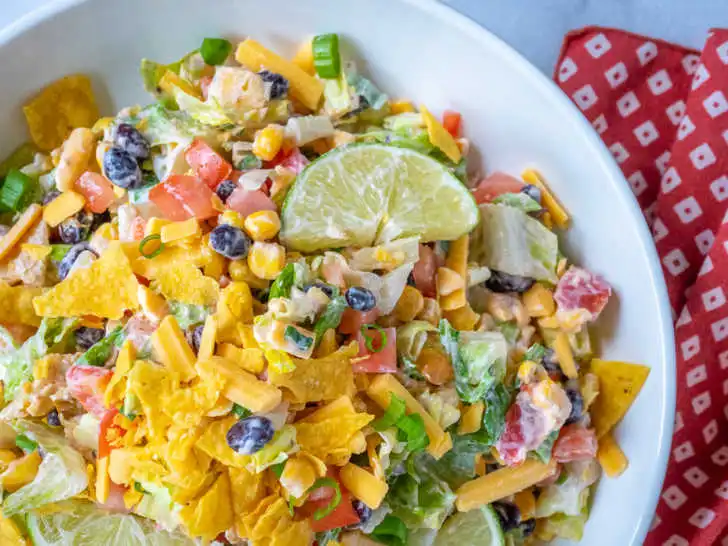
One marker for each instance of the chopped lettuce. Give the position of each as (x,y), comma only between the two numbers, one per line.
(509,240)
(206,112)
(152,72)
(442,405)
(85,432)
(331,317)
(276,451)
(339,98)
(99,352)
(386,288)
(566,527)
(305,129)
(521,201)
(497,402)
(160,126)
(61,474)
(543,452)
(478,360)
(457,466)
(188,314)
(406,121)
(16,367)
(281,287)
(157,505)
(386,256)
(571,495)
(365,89)
(411,339)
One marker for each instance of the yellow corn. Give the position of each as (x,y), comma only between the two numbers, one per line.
(556,210)
(547,220)
(176,231)
(263,225)
(462,318)
(611,457)
(529,371)
(102,124)
(266,260)
(401,106)
(409,305)
(42,368)
(215,268)
(561,267)
(65,205)
(299,474)
(539,301)
(153,305)
(240,272)
(232,218)
(268,142)
(471,418)
(562,348)
(448,281)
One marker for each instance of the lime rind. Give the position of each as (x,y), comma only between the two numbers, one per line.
(479,527)
(367,194)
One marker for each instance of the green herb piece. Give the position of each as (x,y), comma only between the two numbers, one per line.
(99,352)
(215,51)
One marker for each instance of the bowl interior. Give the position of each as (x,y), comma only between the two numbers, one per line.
(422,51)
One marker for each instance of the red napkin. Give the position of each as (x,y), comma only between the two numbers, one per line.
(662,110)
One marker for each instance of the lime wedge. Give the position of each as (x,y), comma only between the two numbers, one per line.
(76,523)
(367,194)
(479,527)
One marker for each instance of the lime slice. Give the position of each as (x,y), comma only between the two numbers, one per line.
(76,523)
(370,193)
(479,527)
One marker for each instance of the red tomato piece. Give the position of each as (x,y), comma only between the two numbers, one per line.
(86,384)
(424,272)
(351,320)
(496,184)
(343,515)
(181,197)
(575,443)
(107,423)
(451,122)
(384,357)
(295,161)
(209,166)
(97,190)
(247,202)
(511,444)
(580,289)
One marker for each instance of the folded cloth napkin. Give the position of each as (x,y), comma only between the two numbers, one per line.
(662,110)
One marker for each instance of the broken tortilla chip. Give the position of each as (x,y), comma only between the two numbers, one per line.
(619,385)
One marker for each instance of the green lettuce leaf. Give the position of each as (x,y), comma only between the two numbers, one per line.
(281,287)
(188,314)
(157,505)
(509,240)
(276,451)
(61,474)
(566,527)
(568,496)
(100,351)
(419,499)
(521,201)
(331,317)
(411,339)
(543,452)
(16,367)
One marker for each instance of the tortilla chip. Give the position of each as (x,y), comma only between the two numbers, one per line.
(248,490)
(59,108)
(214,442)
(619,385)
(105,289)
(315,380)
(186,283)
(169,258)
(333,433)
(212,513)
(16,304)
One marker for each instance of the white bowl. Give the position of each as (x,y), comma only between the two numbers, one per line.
(428,53)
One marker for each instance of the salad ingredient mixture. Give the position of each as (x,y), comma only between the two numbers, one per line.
(278,307)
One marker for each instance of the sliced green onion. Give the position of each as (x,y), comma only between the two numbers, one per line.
(240,412)
(156,252)
(395,412)
(248,161)
(278,469)
(302,341)
(25,443)
(16,192)
(215,51)
(321,513)
(291,500)
(59,251)
(412,430)
(392,531)
(369,340)
(326,59)
(139,489)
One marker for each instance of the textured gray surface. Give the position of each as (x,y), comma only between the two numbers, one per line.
(536,27)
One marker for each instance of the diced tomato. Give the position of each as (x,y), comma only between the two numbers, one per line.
(424,272)
(351,320)
(97,190)
(180,197)
(205,82)
(247,202)
(295,161)
(511,444)
(580,289)
(210,166)
(384,357)
(86,384)
(107,423)
(575,443)
(496,184)
(343,515)
(451,122)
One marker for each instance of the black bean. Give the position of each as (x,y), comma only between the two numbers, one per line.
(86,337)
(527,527)
(197,337)
(50,196)
(122,168)
(70,258)
(129,139)
(577,402)
(362,510)
(360,299)
(550,362)
(508,514)
(230,241)
(505,282)
(53,418)
(533,192)
(225,189)
(325,288)
(277,84)
(250,435)
(76,228)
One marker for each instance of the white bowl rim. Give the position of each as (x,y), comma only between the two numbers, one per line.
(607,165)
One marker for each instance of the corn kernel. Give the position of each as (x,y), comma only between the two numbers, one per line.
(401,106)
(268,142)
(42,368)
(239,271)
(262,225)
(539,301)
(530,371)
(409,305)
(232,218)
(266,260)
